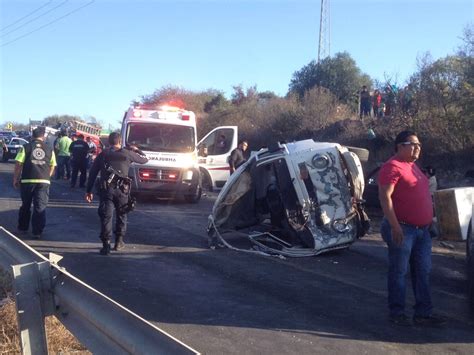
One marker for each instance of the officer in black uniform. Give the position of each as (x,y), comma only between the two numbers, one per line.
(114,192)
(35,164)
(79,150)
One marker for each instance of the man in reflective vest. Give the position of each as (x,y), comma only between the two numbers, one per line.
(34,167)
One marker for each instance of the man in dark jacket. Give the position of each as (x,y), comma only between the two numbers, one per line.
(79,152)
(236,157)
(34,166)
(114,192)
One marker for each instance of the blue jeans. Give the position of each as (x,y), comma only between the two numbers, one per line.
(415,251)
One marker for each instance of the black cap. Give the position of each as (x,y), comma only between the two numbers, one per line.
(39,132)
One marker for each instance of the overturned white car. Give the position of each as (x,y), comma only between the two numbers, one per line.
(294,199)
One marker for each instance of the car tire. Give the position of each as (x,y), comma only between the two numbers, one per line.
(195,197)
(362,153)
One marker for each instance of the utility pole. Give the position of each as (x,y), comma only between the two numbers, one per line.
(324,48)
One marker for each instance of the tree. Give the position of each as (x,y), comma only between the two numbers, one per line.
(339,74)
(240,96)
(176,96)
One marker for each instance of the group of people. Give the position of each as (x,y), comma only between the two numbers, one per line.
(74,155)
(36,163)
(385,102)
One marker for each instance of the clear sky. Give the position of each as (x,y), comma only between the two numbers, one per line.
(102,54)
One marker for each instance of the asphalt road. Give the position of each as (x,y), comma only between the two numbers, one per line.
(222,301)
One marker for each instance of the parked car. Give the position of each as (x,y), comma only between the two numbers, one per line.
(11,147)
(294,199)
(5,135)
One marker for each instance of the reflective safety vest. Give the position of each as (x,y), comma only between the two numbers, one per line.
(37,159)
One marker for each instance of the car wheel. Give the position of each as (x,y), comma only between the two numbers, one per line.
(195,197)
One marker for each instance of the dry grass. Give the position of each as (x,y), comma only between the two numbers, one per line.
(60,340)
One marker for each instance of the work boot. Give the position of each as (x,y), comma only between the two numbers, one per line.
(105,248)
(119,244)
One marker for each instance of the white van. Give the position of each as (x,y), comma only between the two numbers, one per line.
(167,135)
(296,199)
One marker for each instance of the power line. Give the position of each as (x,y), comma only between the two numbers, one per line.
(27,15)
(34,19)
(48,24)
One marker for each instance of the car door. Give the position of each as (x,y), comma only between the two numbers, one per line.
(213,151)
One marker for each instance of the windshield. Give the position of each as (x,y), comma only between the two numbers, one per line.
(161,137)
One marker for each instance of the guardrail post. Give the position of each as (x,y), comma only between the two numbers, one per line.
(29,290)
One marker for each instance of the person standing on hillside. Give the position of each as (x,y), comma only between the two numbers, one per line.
(408,213)
(79,150)
(64,156)
(34,167)
(377,102)
(365,104)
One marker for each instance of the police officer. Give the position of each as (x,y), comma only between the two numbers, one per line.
(35,164)
(113,165)
(79,150)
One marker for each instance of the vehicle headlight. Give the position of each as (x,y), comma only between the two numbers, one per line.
(188,175)
(341,226)
(320,161)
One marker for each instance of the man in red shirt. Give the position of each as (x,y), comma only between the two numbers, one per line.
(408,212)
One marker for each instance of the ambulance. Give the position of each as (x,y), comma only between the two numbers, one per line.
(177,165)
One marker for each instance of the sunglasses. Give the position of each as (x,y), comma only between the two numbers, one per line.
(413,144)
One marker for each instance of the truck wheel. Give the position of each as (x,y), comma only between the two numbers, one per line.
(362,153)
(206,180)
(195,197)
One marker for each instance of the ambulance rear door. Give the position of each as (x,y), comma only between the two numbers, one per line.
(213,152)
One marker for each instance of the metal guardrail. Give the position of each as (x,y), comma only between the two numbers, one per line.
(42,288)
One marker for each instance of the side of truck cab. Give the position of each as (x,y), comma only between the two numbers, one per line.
(213,153)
